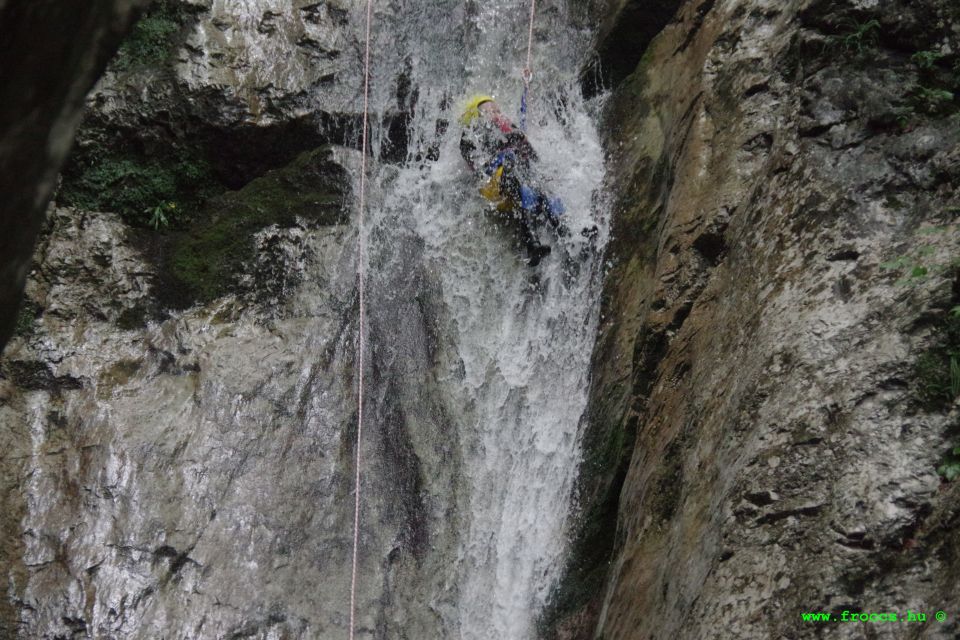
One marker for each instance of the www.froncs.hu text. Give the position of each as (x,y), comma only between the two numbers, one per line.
(872,616)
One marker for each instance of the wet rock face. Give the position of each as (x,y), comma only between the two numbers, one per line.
(129,465)
(188,467)
(785,246)
(43,81)
(270,58)
(242,228)
(243,87)
(187,477)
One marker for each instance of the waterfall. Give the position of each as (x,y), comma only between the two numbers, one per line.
(521,337)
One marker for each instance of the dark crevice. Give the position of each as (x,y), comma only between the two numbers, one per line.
(844,255)
(621,47)
(37,376)
(712,246)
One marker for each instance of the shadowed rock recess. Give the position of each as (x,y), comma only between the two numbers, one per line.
(773,425)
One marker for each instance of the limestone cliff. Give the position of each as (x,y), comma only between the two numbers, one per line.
(778,325)
(188,473)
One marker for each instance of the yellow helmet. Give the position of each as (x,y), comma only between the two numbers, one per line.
(472,109)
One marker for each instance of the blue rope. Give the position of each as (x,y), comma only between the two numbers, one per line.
(523,108)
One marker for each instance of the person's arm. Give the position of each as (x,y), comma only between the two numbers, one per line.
(467,149)
(517,140)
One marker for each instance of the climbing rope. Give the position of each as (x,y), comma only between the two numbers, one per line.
(360,342)
(527,76)
(527,70)
(533,13)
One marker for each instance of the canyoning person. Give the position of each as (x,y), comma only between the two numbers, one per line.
(500,154)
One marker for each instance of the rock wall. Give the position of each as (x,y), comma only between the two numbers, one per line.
(241,87)
(778,322)
(772,407)
(188,473)
(192,478)
(43,81)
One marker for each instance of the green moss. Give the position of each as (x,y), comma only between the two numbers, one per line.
(132,318)
(153,40)
(859,36)
(937,370)
(26,318)
(609,441)
(116,376)
(134,184)
(205,260)
(949,468)
(607,452)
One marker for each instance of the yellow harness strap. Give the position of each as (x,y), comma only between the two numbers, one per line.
(491,191)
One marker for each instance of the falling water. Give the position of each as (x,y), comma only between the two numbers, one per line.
(522,335)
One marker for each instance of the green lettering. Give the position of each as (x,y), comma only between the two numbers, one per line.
(815,617)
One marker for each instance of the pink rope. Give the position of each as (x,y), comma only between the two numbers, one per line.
(528,71)
(361,285)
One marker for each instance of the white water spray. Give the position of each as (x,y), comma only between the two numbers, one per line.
(523,335)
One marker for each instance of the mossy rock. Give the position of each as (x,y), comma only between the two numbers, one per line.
(134,184)
(206,259)
(155,37)
(937,371)
(27,318)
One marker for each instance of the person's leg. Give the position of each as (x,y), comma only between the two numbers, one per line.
(528,222)
(510,188)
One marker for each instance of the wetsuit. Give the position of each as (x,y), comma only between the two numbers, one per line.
(486,140)
(486,146)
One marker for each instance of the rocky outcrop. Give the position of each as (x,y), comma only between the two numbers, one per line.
(190,477)
(214,256)
(777,328)
(235,88)
(207,127)
(43,80)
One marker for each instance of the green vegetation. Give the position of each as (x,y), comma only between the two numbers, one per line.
(918,265)
(904,116)
(861,36)
(936,371)
(590,551)
(931,101)
(26,318)
(136,186)
(159,218)
(206,260)
(938,368)
(153,40)
(950,469)
(926,59)
(607,450)
(132,318)
(934,94)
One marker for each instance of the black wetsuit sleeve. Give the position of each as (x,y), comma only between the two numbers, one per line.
(467,148)
(517,141)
